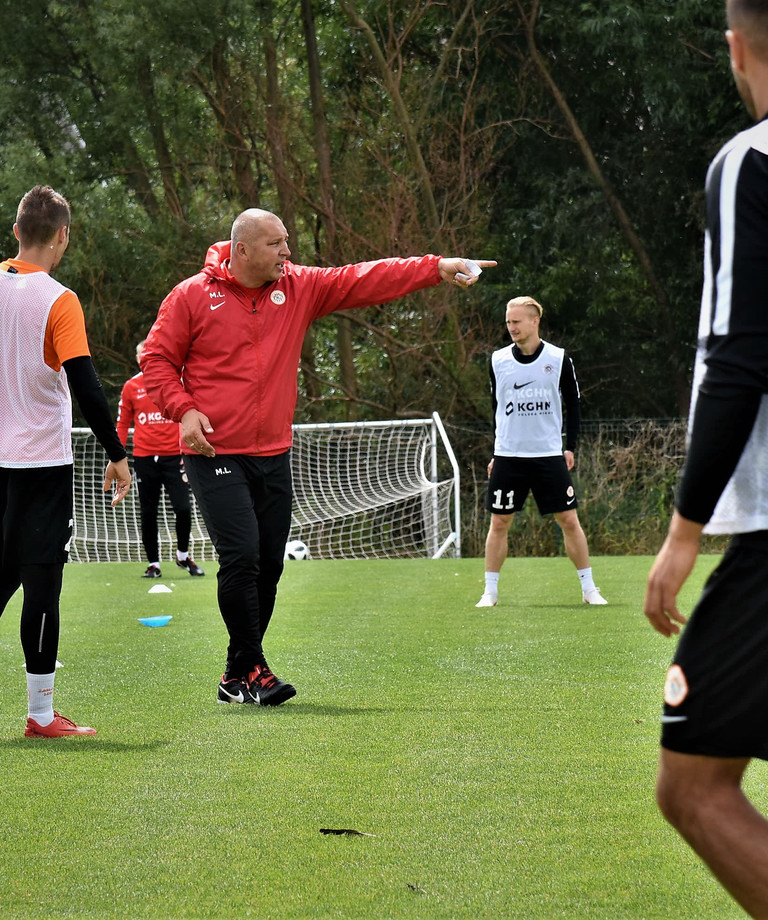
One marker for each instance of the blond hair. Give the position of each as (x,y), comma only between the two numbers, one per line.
(526,302)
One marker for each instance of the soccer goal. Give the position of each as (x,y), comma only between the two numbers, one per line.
(362,490)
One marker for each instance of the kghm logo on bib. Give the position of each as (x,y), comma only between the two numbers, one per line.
(277,297)
(675,686)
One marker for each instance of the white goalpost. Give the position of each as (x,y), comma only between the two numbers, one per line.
(362,490)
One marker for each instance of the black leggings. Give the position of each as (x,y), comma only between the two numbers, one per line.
(152,473)
(35,529)
(39,612)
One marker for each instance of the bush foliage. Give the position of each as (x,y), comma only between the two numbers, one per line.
(625,477)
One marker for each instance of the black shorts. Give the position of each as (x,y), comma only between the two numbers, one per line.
(716,692)
(512,478)
(36,515)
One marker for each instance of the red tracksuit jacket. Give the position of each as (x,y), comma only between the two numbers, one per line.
(237,350)
(153,435)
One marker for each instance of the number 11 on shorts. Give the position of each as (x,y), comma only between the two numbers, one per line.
(497,501)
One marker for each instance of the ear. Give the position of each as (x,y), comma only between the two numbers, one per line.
(737,48)
(63,235)
(16,232)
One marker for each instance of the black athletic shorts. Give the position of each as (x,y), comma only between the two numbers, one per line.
(716,691)
(512,478)
(36,515)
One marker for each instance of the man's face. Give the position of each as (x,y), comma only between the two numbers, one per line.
(266,251)
(522,325)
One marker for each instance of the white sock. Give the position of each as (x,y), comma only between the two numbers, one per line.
(586,579)
(155,564)
(40,692)
(492,583)
(181,556)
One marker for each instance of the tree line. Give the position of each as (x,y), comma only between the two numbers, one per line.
(568,140)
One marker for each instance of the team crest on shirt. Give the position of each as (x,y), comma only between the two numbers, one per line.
(548,369)
(277,297)
(675,686)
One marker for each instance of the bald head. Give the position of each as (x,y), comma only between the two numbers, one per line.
(259,248)
(247,225)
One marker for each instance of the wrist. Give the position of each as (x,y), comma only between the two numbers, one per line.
(683,530)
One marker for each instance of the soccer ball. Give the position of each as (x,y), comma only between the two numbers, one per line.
(295,549)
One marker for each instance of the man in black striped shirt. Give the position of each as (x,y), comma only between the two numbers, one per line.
(715,717)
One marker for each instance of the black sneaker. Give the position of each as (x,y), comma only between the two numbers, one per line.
(266,689)
(190,566)
(234,690)
(153,571)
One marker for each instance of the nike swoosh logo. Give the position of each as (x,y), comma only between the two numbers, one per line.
(215,306)
(667,719)
(570,501)
(236,698)
(519,386)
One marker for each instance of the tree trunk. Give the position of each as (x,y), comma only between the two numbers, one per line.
(328,252)
(155,122)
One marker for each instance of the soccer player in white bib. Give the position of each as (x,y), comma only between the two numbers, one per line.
(716,692)
(531,383)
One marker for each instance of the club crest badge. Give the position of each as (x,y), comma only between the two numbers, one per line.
(675,686)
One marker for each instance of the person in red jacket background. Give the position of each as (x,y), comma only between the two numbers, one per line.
(157,462)
(222,360)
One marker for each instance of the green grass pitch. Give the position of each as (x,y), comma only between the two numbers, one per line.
(502,760)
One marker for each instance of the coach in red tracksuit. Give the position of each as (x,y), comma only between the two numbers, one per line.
(158,464)
(222,359)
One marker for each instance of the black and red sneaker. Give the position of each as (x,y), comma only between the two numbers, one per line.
(234,690)
(190,565)
(266,689)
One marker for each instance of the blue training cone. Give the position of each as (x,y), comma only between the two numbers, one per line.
(155,621)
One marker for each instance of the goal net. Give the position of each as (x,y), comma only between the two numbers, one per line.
(361,490)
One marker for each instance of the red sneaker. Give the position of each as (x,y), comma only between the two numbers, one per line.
(60,727)
(268,690)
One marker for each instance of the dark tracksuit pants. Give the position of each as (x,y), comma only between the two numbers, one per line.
(246,505)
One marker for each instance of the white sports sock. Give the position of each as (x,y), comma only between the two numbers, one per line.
(40,692)
(492,583)
(181,556)
(586,579)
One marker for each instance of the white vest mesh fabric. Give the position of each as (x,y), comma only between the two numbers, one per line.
(35,405)
(529,409)
(743,506)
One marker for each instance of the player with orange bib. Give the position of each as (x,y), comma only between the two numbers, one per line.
(44,351)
